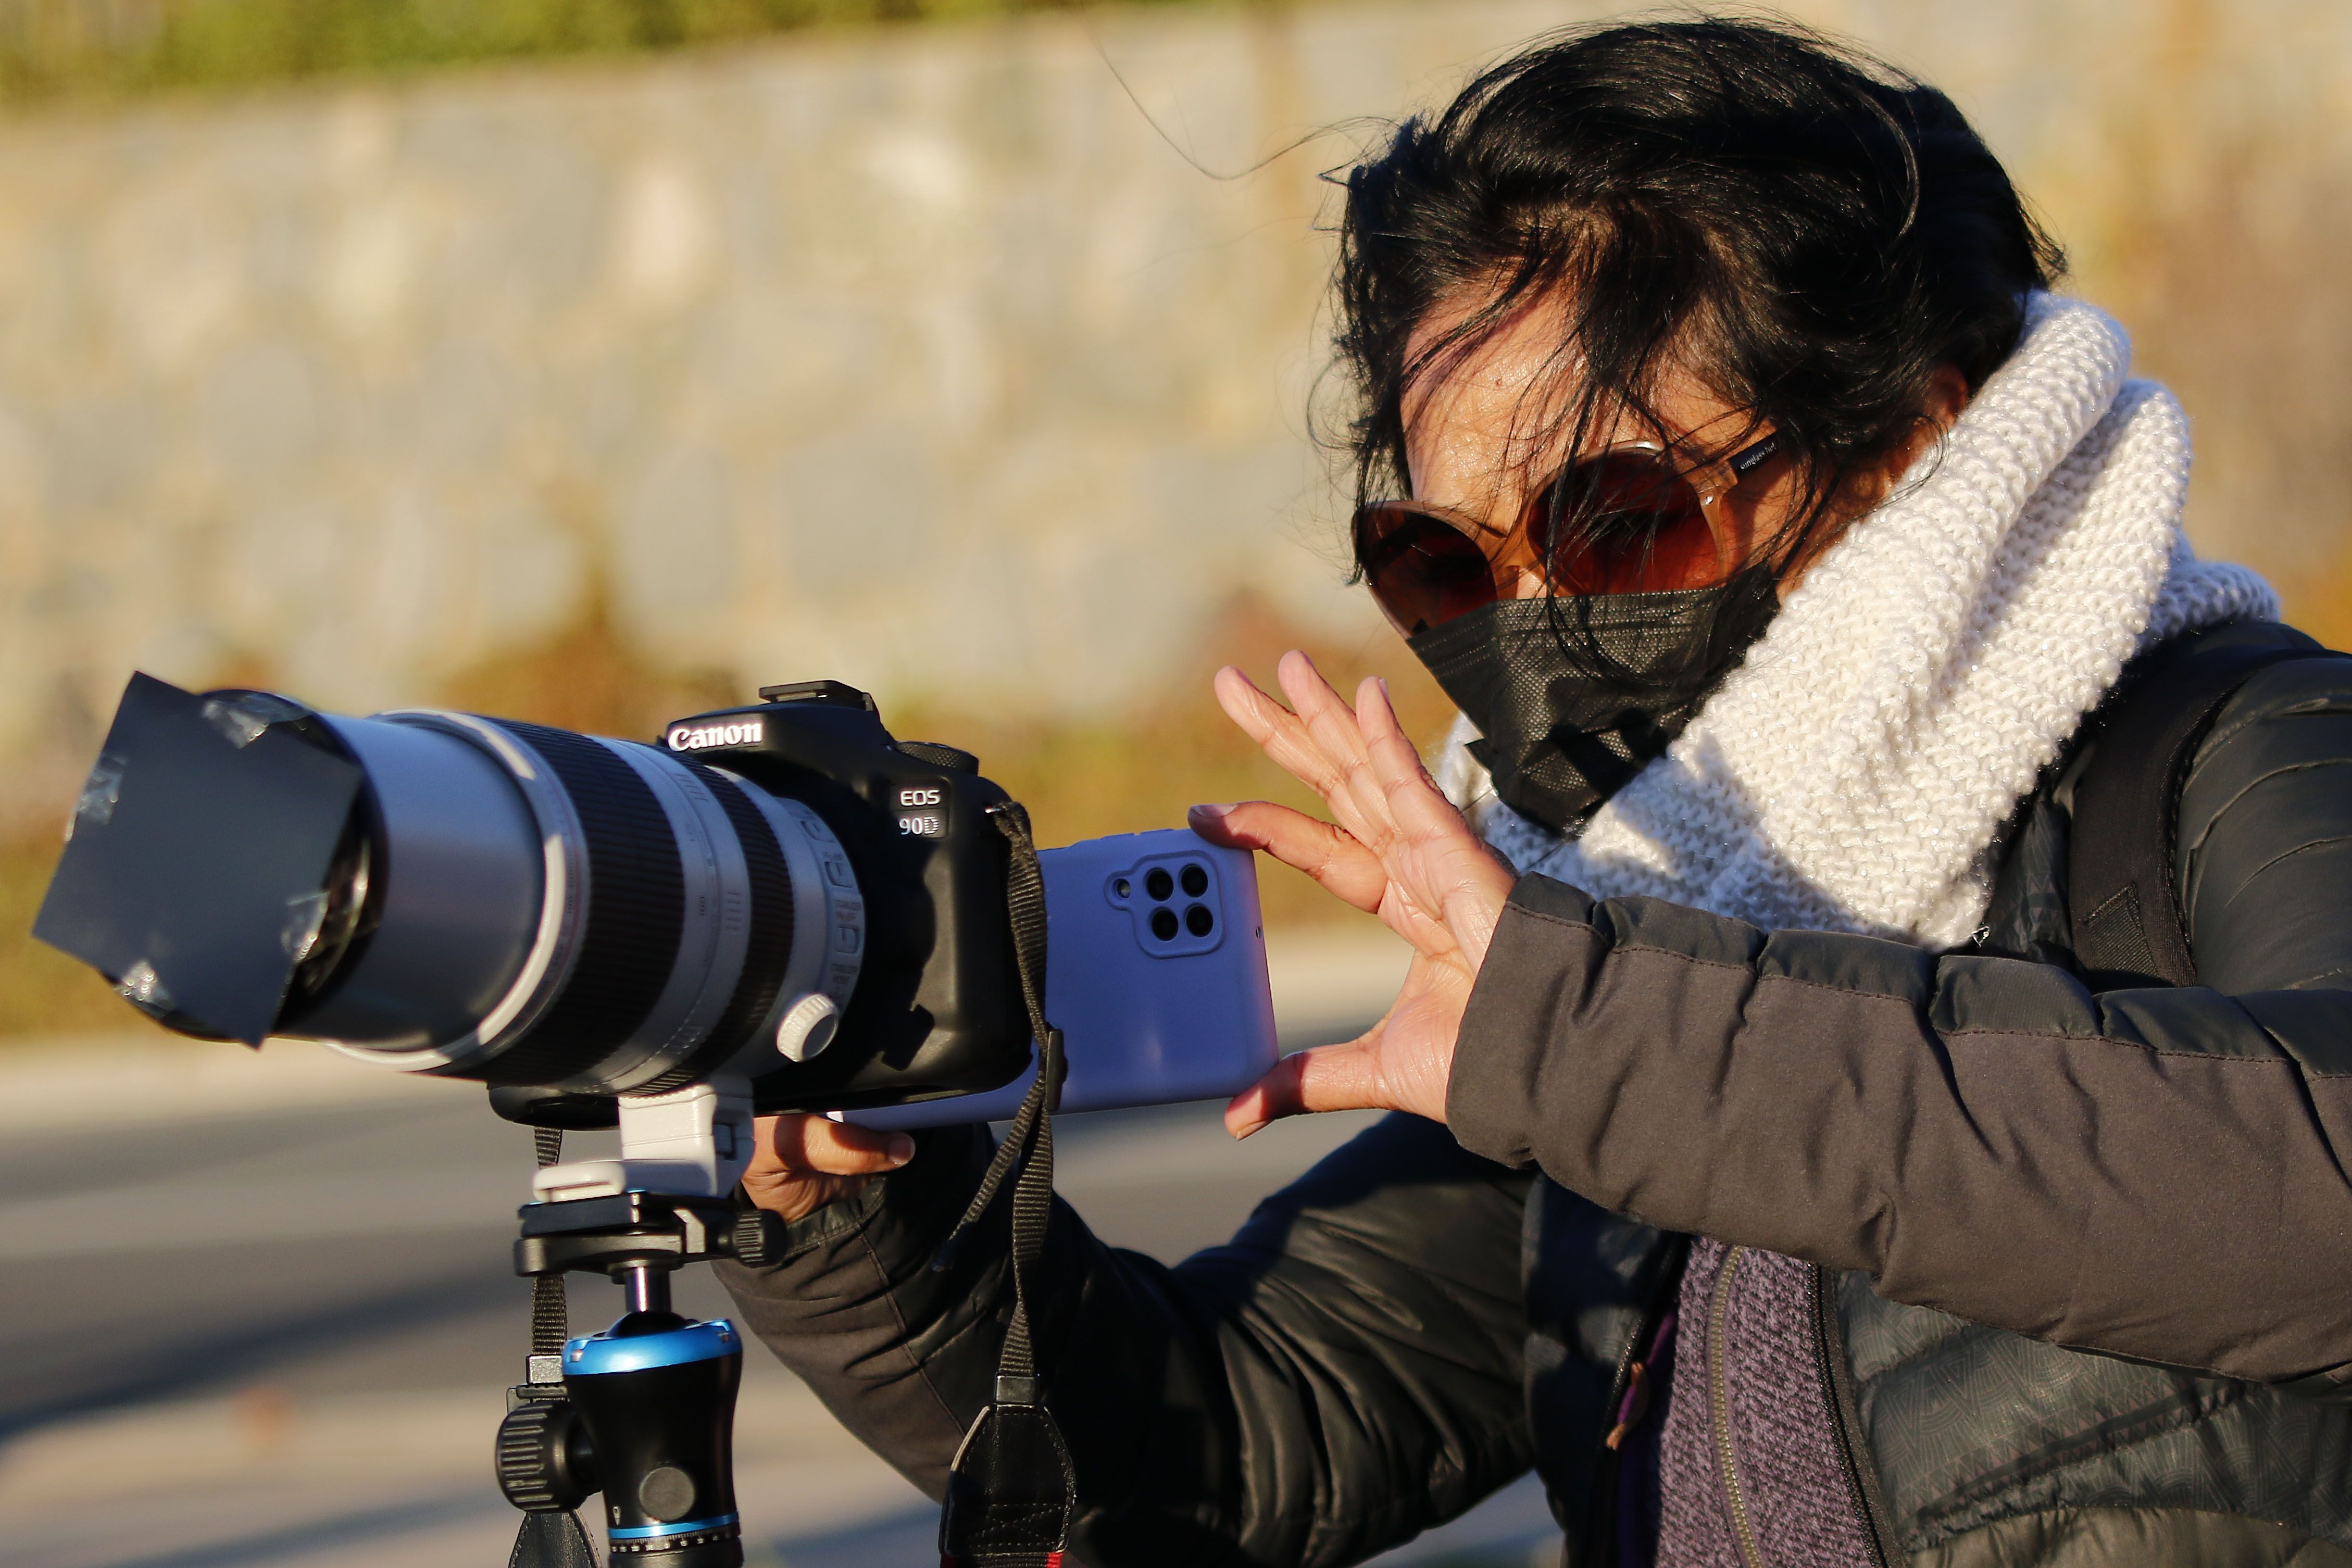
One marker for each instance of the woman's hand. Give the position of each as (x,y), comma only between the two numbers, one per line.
(806,1162)
(1400,850)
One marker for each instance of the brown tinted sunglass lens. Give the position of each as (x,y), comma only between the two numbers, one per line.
(1424,571)
(1635,526)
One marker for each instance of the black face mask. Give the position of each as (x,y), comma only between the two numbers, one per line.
(1574,695)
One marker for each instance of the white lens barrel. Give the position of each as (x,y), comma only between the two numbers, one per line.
(478,882)
(828,924)
(717,925)
(596,915)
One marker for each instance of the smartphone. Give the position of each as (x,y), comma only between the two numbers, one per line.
(1155,974)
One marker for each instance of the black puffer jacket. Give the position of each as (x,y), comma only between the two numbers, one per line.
(1994,1170)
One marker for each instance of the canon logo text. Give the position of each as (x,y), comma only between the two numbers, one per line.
(746,732)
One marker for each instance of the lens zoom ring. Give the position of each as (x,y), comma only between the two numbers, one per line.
(636,912)
(766,955)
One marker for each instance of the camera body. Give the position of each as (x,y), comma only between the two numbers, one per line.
(937,1009)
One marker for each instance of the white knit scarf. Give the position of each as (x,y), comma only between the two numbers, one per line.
(1850,774)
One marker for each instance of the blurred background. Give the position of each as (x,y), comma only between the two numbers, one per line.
(597,360)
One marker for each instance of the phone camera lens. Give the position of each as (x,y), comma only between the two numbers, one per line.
(1198,921)
(1160,885)
(1163,925)
(1122,888)
(1196,880)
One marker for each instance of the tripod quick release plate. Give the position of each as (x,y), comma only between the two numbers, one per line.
(642,1230)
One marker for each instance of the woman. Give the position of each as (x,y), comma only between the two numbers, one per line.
(1767,1175)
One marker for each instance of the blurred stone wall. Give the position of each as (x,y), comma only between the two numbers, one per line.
(922,357)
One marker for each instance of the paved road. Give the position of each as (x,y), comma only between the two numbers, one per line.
(280,1338)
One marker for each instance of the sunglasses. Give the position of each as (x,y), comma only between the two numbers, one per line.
(1643,525)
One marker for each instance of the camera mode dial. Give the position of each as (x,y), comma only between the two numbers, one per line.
(953,759)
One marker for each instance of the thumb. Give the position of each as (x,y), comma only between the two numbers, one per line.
(1322,1078)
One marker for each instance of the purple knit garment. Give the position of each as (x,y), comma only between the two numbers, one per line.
(1796,1502)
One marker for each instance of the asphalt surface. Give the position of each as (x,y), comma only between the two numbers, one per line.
(281,1337)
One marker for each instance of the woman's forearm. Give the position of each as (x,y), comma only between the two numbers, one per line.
(1981,1135)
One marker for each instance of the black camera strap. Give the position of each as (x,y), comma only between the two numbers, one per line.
(1011,1491)
(551,1318)
(551,1537)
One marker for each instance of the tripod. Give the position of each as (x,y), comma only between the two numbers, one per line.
(643,1412)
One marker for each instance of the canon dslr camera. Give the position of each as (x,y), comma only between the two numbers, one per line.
(781,900)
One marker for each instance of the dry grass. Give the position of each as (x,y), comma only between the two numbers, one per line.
(42,991)
(588,677)
(66,49)
(2228,263)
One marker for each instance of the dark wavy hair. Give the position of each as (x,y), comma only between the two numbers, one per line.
(1810,231)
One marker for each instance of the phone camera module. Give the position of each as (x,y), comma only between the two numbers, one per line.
(1196,880)
(1163,921)
(1198,921)
(1161,887)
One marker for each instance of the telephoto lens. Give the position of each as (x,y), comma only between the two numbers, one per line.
(781,896)
(576,913)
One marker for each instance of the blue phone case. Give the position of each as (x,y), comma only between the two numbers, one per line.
(1155,974)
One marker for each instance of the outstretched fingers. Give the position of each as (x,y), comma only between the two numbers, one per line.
(1314,740)
(1338,730)
(1414,803)
(1454,878)
(1334,858)
(1279,732)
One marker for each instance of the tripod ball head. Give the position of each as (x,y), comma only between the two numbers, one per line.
(657,1395)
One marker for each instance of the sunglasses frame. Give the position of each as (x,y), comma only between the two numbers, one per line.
(1511,550)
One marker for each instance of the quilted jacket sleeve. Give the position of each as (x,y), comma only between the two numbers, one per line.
(1343,1374)
(2156,1174)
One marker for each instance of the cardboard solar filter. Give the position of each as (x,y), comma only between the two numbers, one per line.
(198,862)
